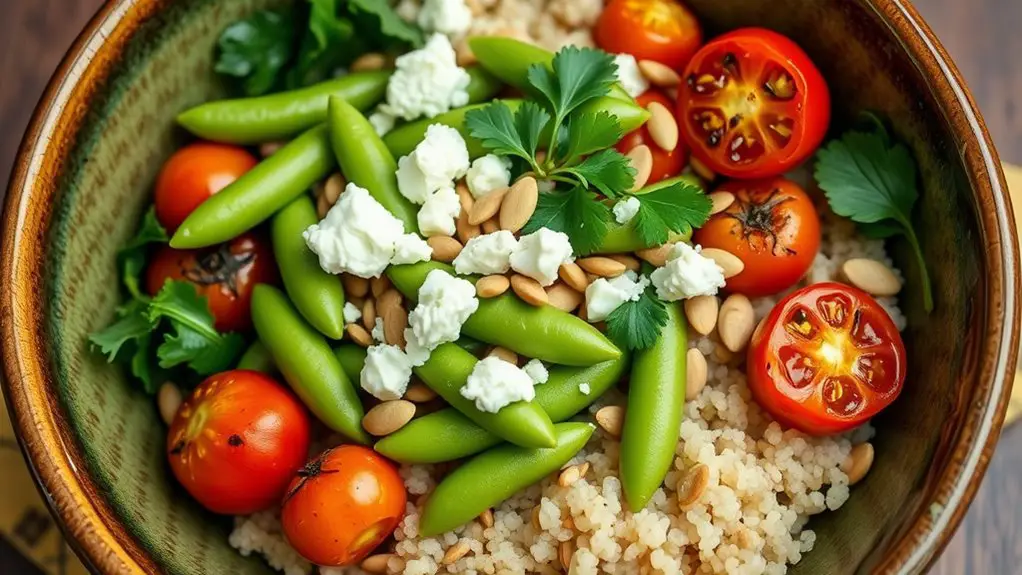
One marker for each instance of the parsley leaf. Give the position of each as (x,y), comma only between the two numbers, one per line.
(255,50)
(637,324)
(391,25)
(329,42)
(576,212)
(872,180)
(677,208)
(589,132)
(577,76)
(132,324)
(194,339)
(131,257)
(608,171)
(497,129)
(530,120)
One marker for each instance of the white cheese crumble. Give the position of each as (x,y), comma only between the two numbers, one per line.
(450,17)
(584,388)
(381,122)
(378,333)
(495,384)
(410,249)
(488,174)
(687,274)
(540,254)
(629,75)
(437,216)
(537,371)
(386,372)
(439,159)
(426,82)
(625,210)
(445,303)
(486,254)
(603,296)
(351,313)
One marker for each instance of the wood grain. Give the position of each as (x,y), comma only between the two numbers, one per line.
(983,36)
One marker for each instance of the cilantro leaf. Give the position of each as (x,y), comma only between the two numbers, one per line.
(391,25)
(637,324)
(608,171)
(590,132)
(495,127)
(530,120)
(194,339)
(577,76)
(255,50)
(329,42)
(131,257)
(675,208)
(132,325)
(576,212)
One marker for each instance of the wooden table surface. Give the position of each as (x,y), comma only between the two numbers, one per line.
(983,36)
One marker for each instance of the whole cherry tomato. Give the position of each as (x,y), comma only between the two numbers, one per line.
(772,226)
(342,505)
(237,441)
(665,164)
(224,274)
(752,104)
(660,30)
(826,359)
(193,174)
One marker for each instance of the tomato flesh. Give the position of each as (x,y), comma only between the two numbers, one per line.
(661,30)
(665,164)
(826,359)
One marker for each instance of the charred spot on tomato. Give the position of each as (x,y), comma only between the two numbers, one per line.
(178,448)
(759,218)
(218,267)
(235,440)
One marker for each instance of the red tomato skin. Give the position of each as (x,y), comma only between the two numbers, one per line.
(620,29)
(193,174)
(237,441)
(229,298)
(665,164)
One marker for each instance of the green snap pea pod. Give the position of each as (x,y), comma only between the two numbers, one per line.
(522,423)
(492,476)
(307,363)
(623,238)
(656,398)
(259,193)
(366,161)
(318,295)
(352,358)
(545,333)
(482,85)
(257,358)
(447,435)
(281,116)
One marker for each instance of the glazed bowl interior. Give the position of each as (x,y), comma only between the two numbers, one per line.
(95,163)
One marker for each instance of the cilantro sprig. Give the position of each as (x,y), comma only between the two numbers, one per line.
(637,324)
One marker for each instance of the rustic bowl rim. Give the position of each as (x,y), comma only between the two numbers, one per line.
(90,523)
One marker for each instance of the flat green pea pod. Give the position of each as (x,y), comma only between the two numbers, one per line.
(257,358)
(522,422)
(448,435)
(482,85)
(656,398)
(352,358)
(366,161)
(623,238)
(307,363)
(280,116)
(545,333)
(318,295)
(495,475)
(259,193)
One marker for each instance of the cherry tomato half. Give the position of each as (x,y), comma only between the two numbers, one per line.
(224,274)
(772,226)
(665,164)
(752,104)
(826,359)
(237,441)
(342,505)
(660,30)
(193,174)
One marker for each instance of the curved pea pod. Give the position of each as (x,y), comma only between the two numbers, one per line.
(352,358)
(366,161)
(482,85)
(545,333)
(447,435)
(623,238)
(259,193)
(307,363)
(522,423)
(257,358)
(318,295)
(656,398)
(281,116)
(495,475)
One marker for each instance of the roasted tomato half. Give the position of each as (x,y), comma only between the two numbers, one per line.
(772,226)
(660,30)
(665,164)
(826,359)
(237,441)
(752,104)
(193,174)
(342,505)
(224,274)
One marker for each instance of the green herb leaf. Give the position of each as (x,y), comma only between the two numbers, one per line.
(577,212)
(255,50)
(391,25)
(133,324)
(530,120)
(495,127)
(608,171)
(329,42)
(676,208)
(194,339)
(637,324)
(578,75)
(590,132)
(131,257)
(881,230)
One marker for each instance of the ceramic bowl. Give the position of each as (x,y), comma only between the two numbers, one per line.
(106,123)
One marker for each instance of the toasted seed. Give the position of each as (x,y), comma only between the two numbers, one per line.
(464,230)
(492,286)
(656,256)
(720,201)
(486,518)
(355,286)
(379,285)
(464,55)
(701,170)
(269,148)
(369,314)
(630,262)
(871,276)
(563,297)
(569,476)
(722,354)
(583,313)
(583,468)
(701,312)
(377,563)
(489,226)
(568,523)
(602,266)
(693,484)
(388,417)
(727,261)
(168,400)
(368,61)
(388,299)
(858,462)
(519,204)
(419,393)
(695,378)
(663,128)
(659,74)
(535,519)
(504,354)
(642,160)
(322,206)
(487,206)
(735,322)
(464,196)
(565,551)
(611,418)
(395,320)
(333,188)
(455,552)
(359,335)
(445,248)
(573,276)
(529,290)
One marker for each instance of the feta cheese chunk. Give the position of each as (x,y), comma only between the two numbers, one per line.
(450,17)
(357,235)
(437,216)
(486,254)
(439,159)
(386,372)
(488,174)
(495,384)
(381,122)
(537,371)
(410,249)
(378,334)
(445,303)
(584,388)
(687,274)
(426,82)
(540,254)
(603,296)
(351,313)
(629,75)
(625,210)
